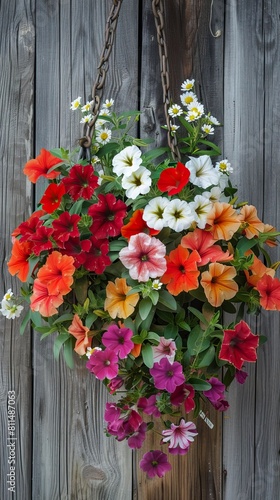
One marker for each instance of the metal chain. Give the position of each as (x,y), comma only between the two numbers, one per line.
(97,88)
(158,11)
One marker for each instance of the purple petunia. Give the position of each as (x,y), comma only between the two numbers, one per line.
(119,340)
(155,463)
(167,375)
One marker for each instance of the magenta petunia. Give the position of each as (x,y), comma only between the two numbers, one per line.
(167,375)
(81,182)
(104,364)
(119,340)
(138,438)
(179,437)
(216,392)
(239,345)
(144,257)
(241,376)
(115,384)
(155,463)
(148,405)
(107,215)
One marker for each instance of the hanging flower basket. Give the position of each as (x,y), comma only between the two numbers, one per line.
(131,260)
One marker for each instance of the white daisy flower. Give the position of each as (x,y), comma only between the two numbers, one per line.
(187,85)
(201,207)
(100,122)
(108,104)
(174,127)
(187,98)
(138,182)
(10,310)
(86,119)
(202,172)
(178,215)
(127,161)
(175,110)
(207,129)
(156,285)
(213,195)
(224,166)
(8,295)
(213,120)
(191,117)
(196,108)
(87,107)
(153,212)
(76,104)
(103,136)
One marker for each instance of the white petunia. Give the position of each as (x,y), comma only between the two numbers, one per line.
(187,85)
(207,129)
(86,118)
(213,195)
(187,98)
(153,213)
(103,136)
(138,182)
(175,110)
(202,172)
(201,207)
(178,215)
(127,161)
(10,309)
(224,166)
(87,107)
(76,104)
(213,120)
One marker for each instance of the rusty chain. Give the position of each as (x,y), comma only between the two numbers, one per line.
(158,11)
(97,88)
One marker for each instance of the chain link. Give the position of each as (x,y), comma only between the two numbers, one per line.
(158,11)
(97,88)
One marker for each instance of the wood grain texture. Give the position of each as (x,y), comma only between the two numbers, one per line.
(17,51)
(251,431)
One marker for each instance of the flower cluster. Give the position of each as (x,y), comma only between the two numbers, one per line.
(132,258)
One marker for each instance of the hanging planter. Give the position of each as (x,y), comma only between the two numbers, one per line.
(134,255)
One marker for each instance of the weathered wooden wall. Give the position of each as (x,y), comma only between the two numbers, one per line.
(49,51)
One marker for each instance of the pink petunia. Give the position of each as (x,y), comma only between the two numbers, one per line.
(155,463)
(144,257)
(148,405)
(165,349)
(167,375)
(138,438)
(104,364)
(119,340)
(179,437)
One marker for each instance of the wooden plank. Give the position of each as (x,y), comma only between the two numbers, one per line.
(251,437)
(73,459)
(189,42)
(16,146)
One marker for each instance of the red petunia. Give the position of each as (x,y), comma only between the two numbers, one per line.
(52,197)
(137,225)
(239,345)
(18,263)
(173,180)
(181,274)
(25,229)
(41,239)
(81,182)
(107,215)
(269,290)
(77,249)
(41,166)
(66,226)
(97,259)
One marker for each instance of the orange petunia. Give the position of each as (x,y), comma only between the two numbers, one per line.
(257,270)
(41,165)
(182,273)
(269,290)
(117,302)
(223,221)
(57,273)
(44,302)
(136,351)
(218,283)
(80,332)
(203,242)
(18,263)
(137,225)
(251,224)
(271,242)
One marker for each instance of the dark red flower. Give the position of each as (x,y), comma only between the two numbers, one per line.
(239,345)
(184,393)
(173,180)
(76,248)
(66,226)
(97,259)
(107,215)
(29,227)
(81,182)
(52,197)
(41,239)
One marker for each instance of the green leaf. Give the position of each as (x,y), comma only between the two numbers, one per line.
(145,307)
(228,307)
(147,355)
(186,124)
(58,343)
(25,322)
(62,318)
(154,153)
(36,318)
(108,148)
(244,244)
(90,319)
(205,358)
(154,296)
(167,300)
(197,341)
(68,353)
(153,336)
(76,207)
(211,145)
(171,332)
(199,315)
(199,385)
